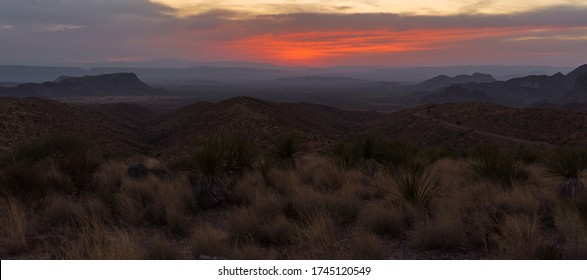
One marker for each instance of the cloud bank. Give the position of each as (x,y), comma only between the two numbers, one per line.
(68,31)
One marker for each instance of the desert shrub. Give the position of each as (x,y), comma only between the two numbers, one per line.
(500,168)
(366,246)
(285,146)
(567,167)
(413,183)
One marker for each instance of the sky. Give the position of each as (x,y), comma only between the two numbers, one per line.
(317,33)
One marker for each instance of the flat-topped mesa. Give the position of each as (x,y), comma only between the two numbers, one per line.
(116,84)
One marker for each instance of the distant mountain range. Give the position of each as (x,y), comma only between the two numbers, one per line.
(173,72)
(341,91)
(518,92)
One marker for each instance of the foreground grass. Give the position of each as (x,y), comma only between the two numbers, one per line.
(404,207)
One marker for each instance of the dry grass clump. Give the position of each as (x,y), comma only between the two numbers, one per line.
(572,228)
(367,246)
(208,241)
(444,232)
(384,220)
(520,237)
(96,241)
(15,224)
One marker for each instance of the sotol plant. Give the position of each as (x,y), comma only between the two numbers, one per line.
(217,157)
(567,166)
(413,183)
(285,146)
(500,168)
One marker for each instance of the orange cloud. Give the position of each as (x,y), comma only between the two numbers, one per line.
(310,48)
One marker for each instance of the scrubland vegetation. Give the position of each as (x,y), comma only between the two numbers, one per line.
(232,198)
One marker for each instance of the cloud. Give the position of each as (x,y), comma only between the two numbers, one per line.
(59,27)
(66,31)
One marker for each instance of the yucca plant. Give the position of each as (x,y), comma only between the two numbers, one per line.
(413,183)
(215,158)
(285,146)
(567,167)
(500,168)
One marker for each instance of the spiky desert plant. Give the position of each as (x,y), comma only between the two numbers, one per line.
(285,146)
(500,168)
(413,183)
(241,153)
(217,157)
(209,160)
(567,167)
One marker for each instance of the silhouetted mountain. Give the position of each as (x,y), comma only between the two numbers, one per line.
(444,81)
(525,91)
(119,84)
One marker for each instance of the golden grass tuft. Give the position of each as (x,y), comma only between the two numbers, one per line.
(95,241)
(15,224)
(211,242)
(520,237)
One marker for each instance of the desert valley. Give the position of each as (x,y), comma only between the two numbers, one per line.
(464,167)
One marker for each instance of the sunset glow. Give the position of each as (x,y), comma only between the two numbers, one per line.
(302,32)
